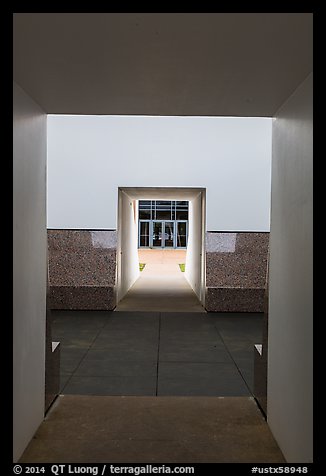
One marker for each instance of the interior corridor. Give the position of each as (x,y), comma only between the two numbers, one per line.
(161,285)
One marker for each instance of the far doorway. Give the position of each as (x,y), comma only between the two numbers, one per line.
(162,219)
(163,224)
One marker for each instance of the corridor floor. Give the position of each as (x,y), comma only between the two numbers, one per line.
(89,429)
(161,285)
(156,353)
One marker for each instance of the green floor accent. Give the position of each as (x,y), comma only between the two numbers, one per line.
(141,266)
(182,267)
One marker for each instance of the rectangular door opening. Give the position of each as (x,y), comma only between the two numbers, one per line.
(165,219)
(163,224)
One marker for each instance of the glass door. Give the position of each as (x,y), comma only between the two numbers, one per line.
(181,238)
(168,234)
(157,234)
(163,234)
(144,234)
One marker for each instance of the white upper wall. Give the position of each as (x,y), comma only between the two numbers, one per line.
(89,157)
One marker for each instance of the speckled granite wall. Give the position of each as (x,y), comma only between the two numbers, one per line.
(236,271)
(82,269)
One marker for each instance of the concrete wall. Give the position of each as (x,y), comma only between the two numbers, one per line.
(29,267)
(196,241)
(127,251)
(90,157)
(289,391)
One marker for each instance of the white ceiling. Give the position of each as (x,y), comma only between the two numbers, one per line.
(227,64)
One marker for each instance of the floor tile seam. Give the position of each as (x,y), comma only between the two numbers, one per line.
(72,373)
(106,324)
(239,371)
(244,343)
(83,357)
(65,385)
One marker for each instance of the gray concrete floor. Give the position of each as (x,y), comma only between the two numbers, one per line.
(156,353)
(155,387)
(185,430)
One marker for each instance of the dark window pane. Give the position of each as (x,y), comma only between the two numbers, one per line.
(181,241)
(144,234)
(144,228)
(183,204)
(181,215)
(144,240)
(182,228)
(169,232)
(163,215)
(181,235)
(157,234)
(145,214)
